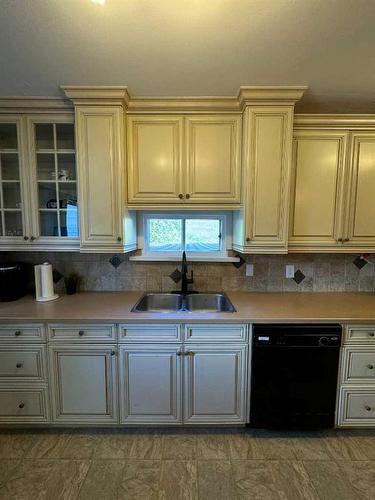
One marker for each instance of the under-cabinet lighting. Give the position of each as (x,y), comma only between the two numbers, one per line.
(99,2)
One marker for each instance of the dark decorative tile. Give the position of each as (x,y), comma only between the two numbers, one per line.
(56,275)
(176,276)
(359,262)
(240,263)
(115,260)
(299,276)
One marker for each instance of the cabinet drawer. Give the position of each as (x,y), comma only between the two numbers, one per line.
(150,333)
(359,364)
(360,334)
(23,405)
(22,364)
(215,333)
(19,333)
(357,407)
(82,333)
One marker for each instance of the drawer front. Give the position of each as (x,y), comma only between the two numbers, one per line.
(23,405)
(149,333)
(20,333)
(357,407)
(82,333)
(359,365)
(215,333)
(22,364)
(360,334)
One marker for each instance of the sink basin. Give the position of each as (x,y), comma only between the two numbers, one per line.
(209,302)
(191,302)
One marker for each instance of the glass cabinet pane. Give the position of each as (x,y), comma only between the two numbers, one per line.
(8,136)
(67,193)
(47,195)
(49,223)
(65,135)
(45,164)
(13,223)
(44,136)
(11,195)
(9,167)
(66,166)
(69,221)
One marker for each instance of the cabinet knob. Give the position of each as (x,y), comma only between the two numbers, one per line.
(340,240)
(81,333)
(367,408)
(346,240)
(248,239)
(179,353)
(119,238)
(181,196)
(371,334)
(32,238)
(370,367)
(21,405)
(189,353)
(187,196)
(17,333)
(113,353)
(25,238)
(19,365)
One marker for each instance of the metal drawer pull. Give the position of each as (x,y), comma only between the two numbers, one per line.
(368,408)
(370,367)
(81,333)
(17,333)
(19,365)
(21,405)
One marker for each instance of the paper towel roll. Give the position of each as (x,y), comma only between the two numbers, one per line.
(44,283)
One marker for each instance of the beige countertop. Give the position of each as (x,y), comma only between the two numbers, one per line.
(251,307)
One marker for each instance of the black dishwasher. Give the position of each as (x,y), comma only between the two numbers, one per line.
(294,375)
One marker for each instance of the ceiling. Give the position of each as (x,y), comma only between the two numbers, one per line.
(192,48)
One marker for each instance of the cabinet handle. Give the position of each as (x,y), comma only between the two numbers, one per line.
(25,238)
(21,405)
(181,196)
(370,367)
(113,353)
(187,196)
(81,333)
(17,333)
(19,365)
(32,238)
(119,238)
(367,408)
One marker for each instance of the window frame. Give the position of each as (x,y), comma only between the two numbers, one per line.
(225,243)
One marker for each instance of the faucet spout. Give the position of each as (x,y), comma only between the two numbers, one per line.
(185,281)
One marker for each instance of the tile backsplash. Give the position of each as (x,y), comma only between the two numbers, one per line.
(323,273)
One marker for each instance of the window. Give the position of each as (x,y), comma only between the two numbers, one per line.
(199,234)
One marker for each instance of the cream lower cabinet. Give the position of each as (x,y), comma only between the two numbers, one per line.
(84,384)
(150,384)
(214,384)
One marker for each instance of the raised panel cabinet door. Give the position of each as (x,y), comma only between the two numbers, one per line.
(84,384)
(317,190)
(361,220)
(154,159)
(267,163)
(215,384)
(150,381)
(213,159)
(100,173)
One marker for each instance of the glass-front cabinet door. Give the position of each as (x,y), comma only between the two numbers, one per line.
(14,228)
(55,181)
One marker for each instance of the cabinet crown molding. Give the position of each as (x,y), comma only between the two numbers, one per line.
(248,95)
(351,121)
(94,95)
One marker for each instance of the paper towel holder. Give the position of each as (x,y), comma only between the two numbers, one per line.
(44,290)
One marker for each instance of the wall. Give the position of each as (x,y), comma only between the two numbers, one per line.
(324,273)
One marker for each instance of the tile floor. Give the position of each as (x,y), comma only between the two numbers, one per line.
(173,464)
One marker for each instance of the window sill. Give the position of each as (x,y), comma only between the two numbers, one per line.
(148,258)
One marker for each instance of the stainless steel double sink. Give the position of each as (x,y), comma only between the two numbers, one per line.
(178,302)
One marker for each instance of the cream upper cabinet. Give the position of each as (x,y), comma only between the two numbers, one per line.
(154,159)
(360,229)
(319,159)
(213,173)
(262,225)
(176,160)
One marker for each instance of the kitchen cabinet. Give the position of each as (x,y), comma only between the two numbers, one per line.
(84,383)
(215,384)
(261,226)
(150,379)
(184,160)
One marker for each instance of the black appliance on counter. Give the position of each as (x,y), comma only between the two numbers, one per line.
(294,375)
(13,281)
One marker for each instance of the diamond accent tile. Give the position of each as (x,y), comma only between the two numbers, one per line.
(299,276)
(359,262)
(56,276)
(115,261)
(176,276)
(240,263)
